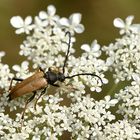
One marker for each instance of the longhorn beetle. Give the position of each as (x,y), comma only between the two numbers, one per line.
(41,80)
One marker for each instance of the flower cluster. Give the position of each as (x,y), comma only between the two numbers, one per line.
(130,101)
(121,130)
(95,116)
(4,73)
(46,36)
(124,54)
(71,109)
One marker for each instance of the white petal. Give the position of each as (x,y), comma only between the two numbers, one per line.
(119,23)
(98,89)
(136,77)
(51,101)
(109,61)
(95,47)
(38,22)
(75,18)
(16,68)
(122,32)
(64,21)
(16,21)
(43,15)
(25,64)
(28,20)
(2,53)
(129,20)
(113,101)
(85,47)
(135,28)
(105,81)
(51,10)
(20,30)
(92,88)
(79,28)
(107,98)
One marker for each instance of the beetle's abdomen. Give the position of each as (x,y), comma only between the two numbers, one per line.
(36,84)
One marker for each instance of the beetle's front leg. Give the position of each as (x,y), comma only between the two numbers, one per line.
(16,79)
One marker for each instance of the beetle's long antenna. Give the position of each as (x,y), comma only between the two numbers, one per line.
(66,58)
(68,77)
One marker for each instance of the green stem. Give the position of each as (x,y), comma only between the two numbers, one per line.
(111,91)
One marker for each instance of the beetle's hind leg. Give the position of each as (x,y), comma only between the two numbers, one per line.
(27,102)
(42,93)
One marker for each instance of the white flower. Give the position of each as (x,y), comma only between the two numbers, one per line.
(23,26)
(73,23)
(124,26)
(21,70)
(49,16)
(109,103)
(94,50)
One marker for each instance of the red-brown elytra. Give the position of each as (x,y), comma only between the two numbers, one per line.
(41,80)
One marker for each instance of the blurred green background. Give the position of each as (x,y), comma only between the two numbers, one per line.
(97,17)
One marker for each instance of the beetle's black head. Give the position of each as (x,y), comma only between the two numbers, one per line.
(54,74)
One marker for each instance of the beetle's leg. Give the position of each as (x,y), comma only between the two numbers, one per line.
(16,79)
(42,93)
(41,69)
(28,101)
(55,85)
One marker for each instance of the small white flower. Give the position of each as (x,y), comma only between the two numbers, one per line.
(49,17)
(51,10)
(21,70)
(110,102)
(73,23)
(124,26)
(23,26)
(93,50)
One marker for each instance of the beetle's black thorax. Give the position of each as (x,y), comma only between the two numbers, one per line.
(52,77)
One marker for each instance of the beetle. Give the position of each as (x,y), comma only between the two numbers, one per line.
(40,80)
